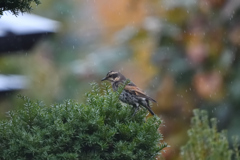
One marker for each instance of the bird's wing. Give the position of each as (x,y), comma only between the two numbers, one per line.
(132,88)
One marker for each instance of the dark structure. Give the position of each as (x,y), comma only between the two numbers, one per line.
(21,33)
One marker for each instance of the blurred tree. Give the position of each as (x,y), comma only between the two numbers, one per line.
(16,6)
(205,142)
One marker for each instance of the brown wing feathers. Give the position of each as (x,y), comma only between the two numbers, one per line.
(135,90)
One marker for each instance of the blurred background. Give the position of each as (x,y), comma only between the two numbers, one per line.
(184,53)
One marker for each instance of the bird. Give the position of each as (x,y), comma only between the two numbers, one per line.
(131,94)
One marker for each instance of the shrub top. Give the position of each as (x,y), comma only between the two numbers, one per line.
(102,128)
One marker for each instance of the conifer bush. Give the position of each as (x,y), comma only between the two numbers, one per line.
(205,142)
(102,128)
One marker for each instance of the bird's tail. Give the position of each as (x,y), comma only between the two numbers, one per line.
(149,108)
(151,99)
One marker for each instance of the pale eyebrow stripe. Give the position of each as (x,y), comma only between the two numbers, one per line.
(113,73)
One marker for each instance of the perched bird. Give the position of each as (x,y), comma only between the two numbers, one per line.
(131,94)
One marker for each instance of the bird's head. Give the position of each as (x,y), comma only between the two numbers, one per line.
(114,76)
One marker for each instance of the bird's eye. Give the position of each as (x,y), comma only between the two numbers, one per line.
(110,76)
(114,76)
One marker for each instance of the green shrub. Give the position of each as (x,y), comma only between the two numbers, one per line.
(103,128)
(205,142)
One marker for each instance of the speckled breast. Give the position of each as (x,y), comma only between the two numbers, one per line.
(128,98)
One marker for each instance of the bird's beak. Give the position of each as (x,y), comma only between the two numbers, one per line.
(105,78)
